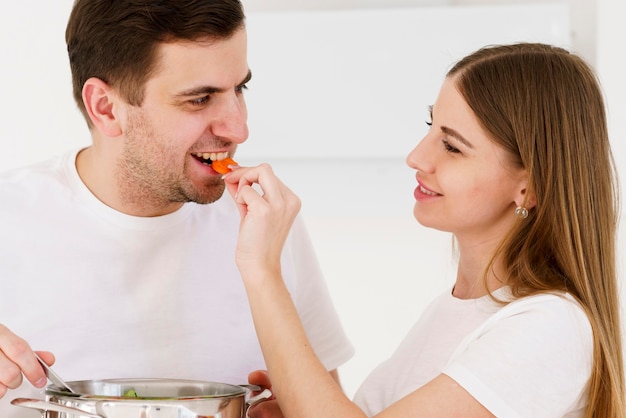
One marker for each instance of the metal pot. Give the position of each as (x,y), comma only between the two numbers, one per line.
(156,398)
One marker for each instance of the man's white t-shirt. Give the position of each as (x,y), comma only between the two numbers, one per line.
(116,296)
(530,358)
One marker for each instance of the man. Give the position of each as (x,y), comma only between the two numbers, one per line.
(119,257)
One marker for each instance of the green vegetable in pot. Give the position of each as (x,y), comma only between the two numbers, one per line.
(130,393)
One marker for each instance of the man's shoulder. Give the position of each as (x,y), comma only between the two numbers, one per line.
(38,170)
(36,182)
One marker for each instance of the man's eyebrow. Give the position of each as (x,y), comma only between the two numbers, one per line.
(204,90)
(454,134)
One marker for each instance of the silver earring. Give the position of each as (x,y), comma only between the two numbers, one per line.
(522,212)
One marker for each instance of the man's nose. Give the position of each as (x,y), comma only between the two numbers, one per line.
(230,119)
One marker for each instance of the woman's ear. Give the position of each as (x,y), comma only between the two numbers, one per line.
(526,196)
(100,101)
(529,201)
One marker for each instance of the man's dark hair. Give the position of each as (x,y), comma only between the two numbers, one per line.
(116,40)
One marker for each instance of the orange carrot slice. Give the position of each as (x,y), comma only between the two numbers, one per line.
(221,166)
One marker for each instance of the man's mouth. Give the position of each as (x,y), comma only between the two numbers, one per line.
(208,157)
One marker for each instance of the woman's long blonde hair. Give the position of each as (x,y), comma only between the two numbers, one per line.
(544,105)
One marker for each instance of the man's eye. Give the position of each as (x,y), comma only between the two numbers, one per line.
(449,147)
(200,101)
(241,88)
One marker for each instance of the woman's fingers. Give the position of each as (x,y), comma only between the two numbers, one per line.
(241,186)
(268,209)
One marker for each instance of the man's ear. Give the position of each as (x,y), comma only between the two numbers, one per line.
(100,101)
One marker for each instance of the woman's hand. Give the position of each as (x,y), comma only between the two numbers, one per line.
(268,209)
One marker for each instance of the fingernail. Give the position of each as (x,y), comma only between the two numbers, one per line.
(41,382)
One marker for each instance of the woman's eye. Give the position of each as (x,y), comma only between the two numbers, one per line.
(429,121)
(449,147)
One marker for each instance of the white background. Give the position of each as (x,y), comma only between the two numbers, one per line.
(338,97)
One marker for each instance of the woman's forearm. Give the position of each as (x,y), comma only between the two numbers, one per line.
(302,385)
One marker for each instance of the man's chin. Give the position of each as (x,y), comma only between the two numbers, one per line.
(208,195)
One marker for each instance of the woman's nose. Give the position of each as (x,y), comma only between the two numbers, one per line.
(420,158)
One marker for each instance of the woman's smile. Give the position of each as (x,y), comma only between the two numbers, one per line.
(423,193)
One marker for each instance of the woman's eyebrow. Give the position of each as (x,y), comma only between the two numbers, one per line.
(454,134)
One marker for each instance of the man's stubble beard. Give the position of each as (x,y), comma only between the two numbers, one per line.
(147,176)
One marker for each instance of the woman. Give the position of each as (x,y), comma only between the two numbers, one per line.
(517,166)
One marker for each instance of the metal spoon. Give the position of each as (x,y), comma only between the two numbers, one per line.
(53,377)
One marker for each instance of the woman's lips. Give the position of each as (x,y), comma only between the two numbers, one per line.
(422,192)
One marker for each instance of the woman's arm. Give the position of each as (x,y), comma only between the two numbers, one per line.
(299,381)
(302,385)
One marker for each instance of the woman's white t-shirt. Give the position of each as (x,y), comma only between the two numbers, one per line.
(529,358)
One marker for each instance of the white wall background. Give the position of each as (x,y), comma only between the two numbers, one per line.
(335,105)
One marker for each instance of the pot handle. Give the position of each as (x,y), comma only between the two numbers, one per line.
(44,406)
(253,400)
